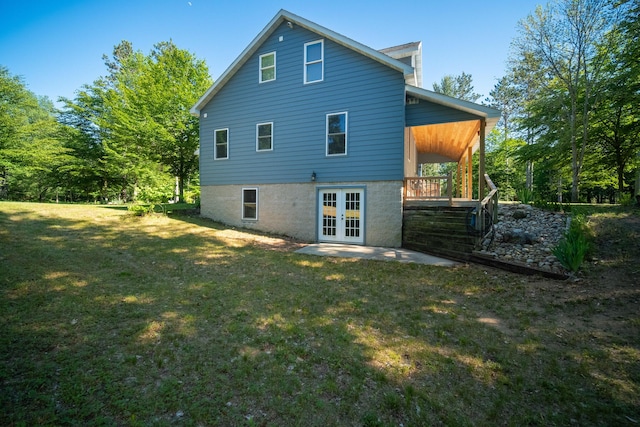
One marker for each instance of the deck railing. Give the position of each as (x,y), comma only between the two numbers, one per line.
(488,211)
(429,188)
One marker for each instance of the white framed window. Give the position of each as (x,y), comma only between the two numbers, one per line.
(220,144)
(314,61)
(267,67)
(337,134)
(264,136)
(250,204)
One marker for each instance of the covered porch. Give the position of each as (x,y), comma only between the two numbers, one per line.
(440,129)
(442,208)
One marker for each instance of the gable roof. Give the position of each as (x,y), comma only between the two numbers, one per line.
(410,54)
(286,16)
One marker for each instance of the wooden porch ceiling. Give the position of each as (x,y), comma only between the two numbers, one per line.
(450,140)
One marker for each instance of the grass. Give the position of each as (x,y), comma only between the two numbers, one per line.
(111,319)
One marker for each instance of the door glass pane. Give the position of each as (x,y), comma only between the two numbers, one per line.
(352,215)
(329,214)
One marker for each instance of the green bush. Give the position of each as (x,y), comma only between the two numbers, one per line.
(552,206)
(626,199)
(141,210)
(572,250)
(525,195)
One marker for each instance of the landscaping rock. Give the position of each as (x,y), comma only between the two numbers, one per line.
(519,214)
(527,235)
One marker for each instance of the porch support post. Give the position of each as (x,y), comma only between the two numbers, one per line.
(459,178)
(483,124)
(470,173)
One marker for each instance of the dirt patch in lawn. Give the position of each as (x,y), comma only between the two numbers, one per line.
(604,298)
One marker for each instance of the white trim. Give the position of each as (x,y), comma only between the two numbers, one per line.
(346,133)
(317,61)
(261,69)
(242,205)
(215,144)
(258,137)
(341,226)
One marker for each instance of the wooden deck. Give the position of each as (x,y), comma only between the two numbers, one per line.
(434,222)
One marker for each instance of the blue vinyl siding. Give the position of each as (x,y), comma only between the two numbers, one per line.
(372,94)
(427,113)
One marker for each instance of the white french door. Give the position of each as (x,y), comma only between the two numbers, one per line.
(341,215)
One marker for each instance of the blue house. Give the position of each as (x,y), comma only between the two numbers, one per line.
(313,135)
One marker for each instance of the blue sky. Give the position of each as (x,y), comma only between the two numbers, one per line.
(57,45)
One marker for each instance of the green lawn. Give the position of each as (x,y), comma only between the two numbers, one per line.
(111,319)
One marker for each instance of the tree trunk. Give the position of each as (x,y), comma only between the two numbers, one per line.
(637,186)
(529,179)
(177,193)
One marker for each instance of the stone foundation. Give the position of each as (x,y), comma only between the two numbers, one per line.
(292,209)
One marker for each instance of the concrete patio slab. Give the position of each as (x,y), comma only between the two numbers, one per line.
(375,253)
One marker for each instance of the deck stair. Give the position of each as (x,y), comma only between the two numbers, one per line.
(439,230)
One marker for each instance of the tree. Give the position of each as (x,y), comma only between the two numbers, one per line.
(136,120)
(564,39)
(15,99)
(150,103)
(460,87)
(629,69)
(501,164)
(30,147)
(173,81)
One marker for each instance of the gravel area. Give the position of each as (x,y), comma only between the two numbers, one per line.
(527,235)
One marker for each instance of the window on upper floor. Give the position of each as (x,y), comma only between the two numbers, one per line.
(314,61)
(264,137)
(221,144)
(336,134)
(267,67)
(250,203)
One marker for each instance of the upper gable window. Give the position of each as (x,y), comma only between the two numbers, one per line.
(267,67)
(336,134)
(221,144)
(314,61)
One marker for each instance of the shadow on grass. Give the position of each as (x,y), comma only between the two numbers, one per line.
(110,319)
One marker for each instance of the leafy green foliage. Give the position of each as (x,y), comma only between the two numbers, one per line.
(566,39)
(525,195)
(141,210)
(132,129)
(574,247)
(503,165)
(31,152)
(460,87)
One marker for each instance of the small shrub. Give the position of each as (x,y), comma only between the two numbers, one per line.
(141,210)
(553,206)
(572,250)
(525,195)
(626,199)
